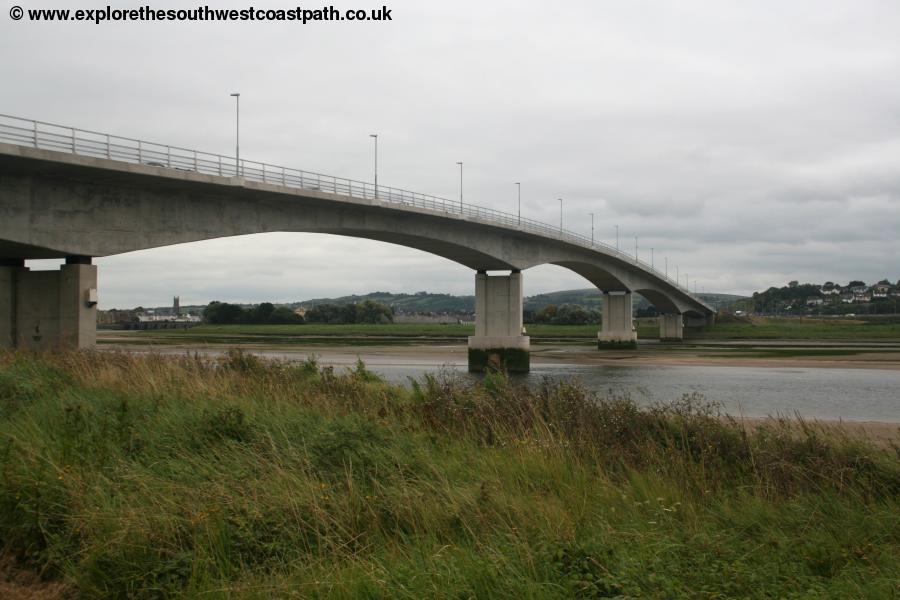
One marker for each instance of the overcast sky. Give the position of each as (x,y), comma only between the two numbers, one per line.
(751,143)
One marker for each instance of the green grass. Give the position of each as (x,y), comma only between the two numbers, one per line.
(761,352)
(800,329)
(157,477)
(409,333)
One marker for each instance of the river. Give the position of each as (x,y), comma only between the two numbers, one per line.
(814,393)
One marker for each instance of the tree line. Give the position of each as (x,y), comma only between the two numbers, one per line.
(564,314)
(224,313)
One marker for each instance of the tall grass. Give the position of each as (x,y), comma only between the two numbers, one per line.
(149,476)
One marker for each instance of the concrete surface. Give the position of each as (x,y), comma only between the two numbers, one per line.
(57,204)
(54,204)
(671,328)
(498,316)
(47,310)
(617,325)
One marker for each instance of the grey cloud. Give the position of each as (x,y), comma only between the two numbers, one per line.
(750,143)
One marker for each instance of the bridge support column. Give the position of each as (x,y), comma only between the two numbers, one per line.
(671,328)
(10,271)
(617,329)
(48,310)
(498,341)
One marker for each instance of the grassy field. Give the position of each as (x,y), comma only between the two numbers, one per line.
(764,328)
(154,477)
(790,328)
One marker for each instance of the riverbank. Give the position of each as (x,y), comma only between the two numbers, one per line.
(412,350)
(822,380)
(136,475)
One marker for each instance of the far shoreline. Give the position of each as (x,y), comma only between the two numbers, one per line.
(689,354)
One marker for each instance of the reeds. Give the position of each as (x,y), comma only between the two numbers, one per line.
(148,476)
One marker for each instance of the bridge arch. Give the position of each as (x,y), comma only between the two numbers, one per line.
(60,204)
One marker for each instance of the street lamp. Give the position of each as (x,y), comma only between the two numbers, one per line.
(237,142)
(560,216)
(667,267)
(651,259)
(460,188)
(635,250)
(617,238)
(592,229)
(519,186)
(375,137)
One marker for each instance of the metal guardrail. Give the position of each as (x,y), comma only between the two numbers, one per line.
(49,136)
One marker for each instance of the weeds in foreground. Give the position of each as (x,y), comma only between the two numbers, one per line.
(150,476)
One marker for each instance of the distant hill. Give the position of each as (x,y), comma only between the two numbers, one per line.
(719,301)
(424,302)
(592,298)
(588,298)
(421,302)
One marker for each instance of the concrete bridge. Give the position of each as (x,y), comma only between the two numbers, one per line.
(74,194)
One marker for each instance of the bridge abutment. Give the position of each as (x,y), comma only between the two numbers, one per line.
(498,341)
(671,327)
(617,326)
(48,310)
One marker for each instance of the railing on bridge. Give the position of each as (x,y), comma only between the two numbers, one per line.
(49,136)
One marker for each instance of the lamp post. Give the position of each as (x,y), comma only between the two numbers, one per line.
(592,229)
(560,216)
(635,250)
(651,259)
(375,137)
(237,139)
(519,186)
(460,188)
(617,238)
(667,267)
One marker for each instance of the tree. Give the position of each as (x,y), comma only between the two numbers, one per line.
(649,311)
(223,313)
(348,313)
(546,314)
(324,313)
(573,314)
(367,311)
(374,312)
(284,315)
(261,312)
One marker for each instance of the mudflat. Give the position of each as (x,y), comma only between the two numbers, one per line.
(343,351)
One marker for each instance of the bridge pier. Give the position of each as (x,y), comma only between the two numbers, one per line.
(48,310)
(498,341)
(617,327)
(671,327)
